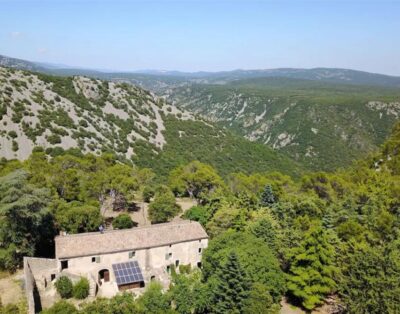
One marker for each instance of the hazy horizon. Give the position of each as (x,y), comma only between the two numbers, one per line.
(192,36)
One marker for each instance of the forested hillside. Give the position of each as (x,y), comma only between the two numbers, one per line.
(329,235)
(322,118)
(321,125)
(55,114)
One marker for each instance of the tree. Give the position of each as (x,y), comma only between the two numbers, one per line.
(232,288)
(265,230)
(163,208)
(195,179)
(64,287)
(198,213)
(123,221)
(154,301)
(257,259)
(119,304)
(228,217)
(260,301)
(81,289)
(312,270)
(267,196)
(370,282)
(75,217)
(25,222)
(189,294)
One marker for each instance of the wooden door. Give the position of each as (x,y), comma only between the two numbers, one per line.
(106,276)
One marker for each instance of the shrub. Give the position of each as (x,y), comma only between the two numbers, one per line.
(81,289)
(15,146)
(54,139)
(61,307)
(148,193)
(12,134)
(64,287)
(122,221)
(185,269)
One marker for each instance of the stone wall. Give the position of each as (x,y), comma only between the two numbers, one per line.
(29,286)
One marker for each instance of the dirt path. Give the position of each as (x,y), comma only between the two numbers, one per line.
(11,288)
(287,308)
(141,216)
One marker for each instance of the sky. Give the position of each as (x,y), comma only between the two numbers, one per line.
(204,35)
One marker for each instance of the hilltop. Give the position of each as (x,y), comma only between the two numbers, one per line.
(95,116)
(322,118)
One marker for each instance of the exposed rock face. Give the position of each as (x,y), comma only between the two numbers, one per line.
(307,121)
(77,112)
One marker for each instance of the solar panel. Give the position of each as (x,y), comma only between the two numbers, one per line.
(128,272)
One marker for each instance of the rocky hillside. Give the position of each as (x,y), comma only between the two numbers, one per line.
(321,125)
(90,115)
(79,112)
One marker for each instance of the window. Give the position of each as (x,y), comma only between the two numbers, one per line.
(177,263)
(93,259)
(200,250)
(152,278)
(199,264)
(168,269)
(52,277)
(64,264)
(132,254)
(96,259)
(168,256)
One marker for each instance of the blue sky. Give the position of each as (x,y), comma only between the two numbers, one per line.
(204,35)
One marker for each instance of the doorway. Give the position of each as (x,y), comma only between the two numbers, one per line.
(104,276)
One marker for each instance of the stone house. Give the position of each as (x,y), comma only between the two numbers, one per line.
(119,260)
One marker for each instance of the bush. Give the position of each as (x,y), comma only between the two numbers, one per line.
(54,139)
(122,221)
(81,289)
(12,134)
(15,146)
(61,307)
(148,193)
(64,287)
(185,269)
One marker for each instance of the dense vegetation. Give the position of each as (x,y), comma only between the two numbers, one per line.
(194,140)
(327,235)
(92,116)
(288,114)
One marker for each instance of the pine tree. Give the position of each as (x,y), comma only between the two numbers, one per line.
(267,196)
(312,268)
(232,288)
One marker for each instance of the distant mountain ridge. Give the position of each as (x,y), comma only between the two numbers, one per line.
(321,118)
(321,125)
(88,115)
(332,75)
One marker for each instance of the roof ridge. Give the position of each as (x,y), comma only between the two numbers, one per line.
(183,222)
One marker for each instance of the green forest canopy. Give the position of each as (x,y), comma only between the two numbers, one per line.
(327,234)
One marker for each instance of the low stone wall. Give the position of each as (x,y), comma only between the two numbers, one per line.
(29,286)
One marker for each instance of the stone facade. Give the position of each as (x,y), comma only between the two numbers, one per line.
(155,248)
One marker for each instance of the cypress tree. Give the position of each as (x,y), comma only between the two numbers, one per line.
(267,196)
(232,288)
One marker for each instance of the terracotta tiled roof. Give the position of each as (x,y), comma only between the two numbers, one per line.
(95,243)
